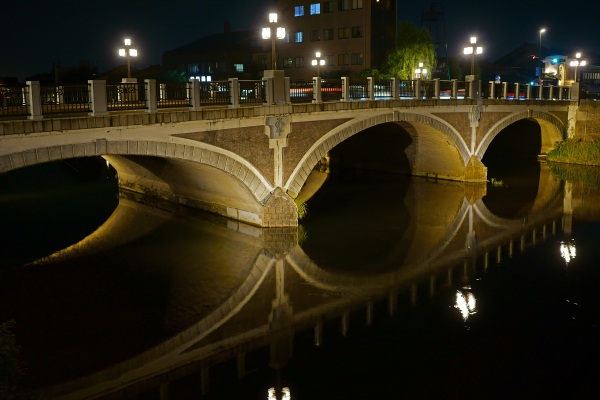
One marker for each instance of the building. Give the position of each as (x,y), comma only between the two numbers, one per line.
(351,35)
(219,56)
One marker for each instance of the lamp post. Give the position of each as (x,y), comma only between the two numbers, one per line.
(128,52)
(420,71)
(273,32)
(577,62)
(318,62)
(472,50)
(541,59)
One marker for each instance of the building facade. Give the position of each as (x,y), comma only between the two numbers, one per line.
(351,36)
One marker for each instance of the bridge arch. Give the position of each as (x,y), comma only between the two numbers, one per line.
(553,130)
(179,170)
(437,150)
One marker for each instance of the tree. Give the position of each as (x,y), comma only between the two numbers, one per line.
(412,47)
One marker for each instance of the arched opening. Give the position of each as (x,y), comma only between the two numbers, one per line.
(47,207)
(513,168)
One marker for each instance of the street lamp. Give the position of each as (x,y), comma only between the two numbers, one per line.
(128,52)
(273,32)
(473,50)
(577,62)
(541,59)
(420,71)
(318,62)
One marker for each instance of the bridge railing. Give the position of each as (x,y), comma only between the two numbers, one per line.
(14,100)
(33,101)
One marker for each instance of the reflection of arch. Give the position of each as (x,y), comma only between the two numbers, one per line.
(552,130)
(337,135)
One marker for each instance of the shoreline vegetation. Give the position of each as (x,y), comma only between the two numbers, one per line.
(576,151)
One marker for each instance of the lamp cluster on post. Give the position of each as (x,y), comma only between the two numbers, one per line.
(577,62)
(420,72)
(318,61)
(473,50)
(273,32)
(128,52)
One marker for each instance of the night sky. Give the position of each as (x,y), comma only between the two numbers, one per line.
(37,34)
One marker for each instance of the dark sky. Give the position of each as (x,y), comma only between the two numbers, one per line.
(36,34)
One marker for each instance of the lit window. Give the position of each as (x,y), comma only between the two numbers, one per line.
(239,67)
(298,37)
(315,8)
(298,11)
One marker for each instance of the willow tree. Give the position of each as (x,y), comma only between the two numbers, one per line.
(413,46)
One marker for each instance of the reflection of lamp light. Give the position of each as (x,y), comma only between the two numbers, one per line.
(568,250)
(465,303)
(128,52)
(272,32)
(285,394)
(318,62)
(473,50)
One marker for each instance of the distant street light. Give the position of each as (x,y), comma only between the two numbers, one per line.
(576,63)
(273,32)
(541,58)
(420,71)
(473,50)
(128,52)
(318,62)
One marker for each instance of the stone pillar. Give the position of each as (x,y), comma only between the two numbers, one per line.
(492,90)
(195,95)
(317,97)
(345,88)
(34,100)
(277,89)
(528,91)
(234,93)
(475,171)
(151,98)
(98,98)
(395,89)
(454,94)
(504,89)
(371,84)
(280,210)
(436,88)
(286,84)
(418,88)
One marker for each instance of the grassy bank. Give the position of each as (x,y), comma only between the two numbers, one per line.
(575,151)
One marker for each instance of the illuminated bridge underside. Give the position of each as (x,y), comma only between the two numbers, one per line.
(251,166)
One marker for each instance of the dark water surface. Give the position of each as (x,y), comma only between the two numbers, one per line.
(397,288)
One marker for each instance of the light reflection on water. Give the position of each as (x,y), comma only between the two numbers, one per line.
(372,283)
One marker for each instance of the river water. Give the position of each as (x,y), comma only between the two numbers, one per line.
(393,287)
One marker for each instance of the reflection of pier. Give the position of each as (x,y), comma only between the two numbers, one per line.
(283,291)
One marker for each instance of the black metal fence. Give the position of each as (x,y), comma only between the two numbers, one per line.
(331,89)
(301,91)
(215,93)
(126,96)
(65,99)
(13,100)
(174,94)
(252,92)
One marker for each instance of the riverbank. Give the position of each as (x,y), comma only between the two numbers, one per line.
(576,151)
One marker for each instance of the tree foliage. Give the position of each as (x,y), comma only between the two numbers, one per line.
(412,47)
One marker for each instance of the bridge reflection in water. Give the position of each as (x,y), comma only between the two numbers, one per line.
(236,288)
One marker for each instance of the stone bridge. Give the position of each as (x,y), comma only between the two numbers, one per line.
(251,163)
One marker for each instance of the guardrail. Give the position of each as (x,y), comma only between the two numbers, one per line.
(98,98)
